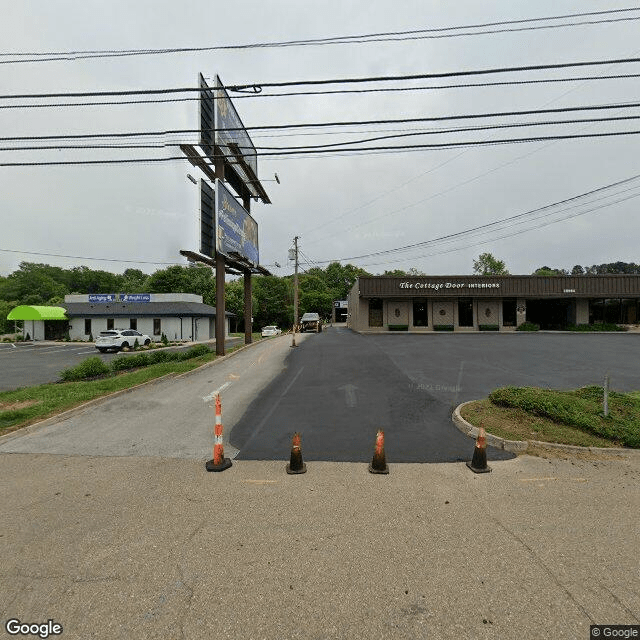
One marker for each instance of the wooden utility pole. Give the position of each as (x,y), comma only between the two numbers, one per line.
(295,292)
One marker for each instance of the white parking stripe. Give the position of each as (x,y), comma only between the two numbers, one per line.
(213,394)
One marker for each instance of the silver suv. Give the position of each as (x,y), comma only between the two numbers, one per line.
(117,339)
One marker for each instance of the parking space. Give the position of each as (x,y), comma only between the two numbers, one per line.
(28,364)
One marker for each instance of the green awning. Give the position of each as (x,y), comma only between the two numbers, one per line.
(31,312)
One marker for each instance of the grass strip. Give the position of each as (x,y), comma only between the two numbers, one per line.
(567,417)
(45,400)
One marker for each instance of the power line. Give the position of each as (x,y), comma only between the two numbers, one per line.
(521,217)
(357,80)
(394,36)
(467,85)
(57,255)
(316,125)
(330,145)
(426,76)
(360,150)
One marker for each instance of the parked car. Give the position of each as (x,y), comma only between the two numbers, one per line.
(116,339)
(310,322)
(270,331)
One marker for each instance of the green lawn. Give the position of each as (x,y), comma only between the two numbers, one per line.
(568,417)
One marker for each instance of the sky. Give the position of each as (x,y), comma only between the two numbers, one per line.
(342,206)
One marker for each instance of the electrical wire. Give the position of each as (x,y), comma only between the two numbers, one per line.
(339,123)
(397,36)
(356,80)
(467,85)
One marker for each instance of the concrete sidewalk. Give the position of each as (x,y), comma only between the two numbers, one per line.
(127,547)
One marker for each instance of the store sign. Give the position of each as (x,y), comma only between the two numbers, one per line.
(120,297)
(102,297)
(436,286)
(135,297)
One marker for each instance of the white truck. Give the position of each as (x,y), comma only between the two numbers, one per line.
(310,322)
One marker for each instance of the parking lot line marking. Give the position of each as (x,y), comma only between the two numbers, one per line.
(213,394)
(535,479)
(260,481)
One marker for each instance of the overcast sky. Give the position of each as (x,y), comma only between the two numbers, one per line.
(341,205)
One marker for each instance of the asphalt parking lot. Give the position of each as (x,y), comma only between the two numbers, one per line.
(340,387)
(25,364)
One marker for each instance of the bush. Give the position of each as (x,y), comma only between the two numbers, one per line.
(606,326)
(398,327)
(28,337)
(89,368)
(489,327)
(528,326)
(130,362)
(443,327)
(164,340)
(196,351)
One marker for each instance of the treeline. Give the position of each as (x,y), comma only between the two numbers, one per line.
(593,270)
(42,284)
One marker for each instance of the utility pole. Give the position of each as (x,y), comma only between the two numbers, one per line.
(295,292)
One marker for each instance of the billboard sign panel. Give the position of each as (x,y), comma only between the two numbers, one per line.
(236,230)
(230,130)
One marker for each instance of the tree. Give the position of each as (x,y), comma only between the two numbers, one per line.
(178,279)
(577,270)
(340,278)
(488,265)
(273,301)
(548,271)
(234,300)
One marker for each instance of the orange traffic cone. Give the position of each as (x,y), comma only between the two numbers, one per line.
(295,464)
(379,463)
(479,462)
(219,462)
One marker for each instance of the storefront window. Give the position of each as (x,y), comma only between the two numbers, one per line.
(612,310)
(596,311)
(509,312)
(110,322)
(375,312)
(156,327)
(420,313)
(133,324)
(629,311)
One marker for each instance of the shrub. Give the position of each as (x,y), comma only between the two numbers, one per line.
(28,337)
(606,326)
(443,327)
(130,362)
(136,345)
(528,326)
(489,327)
(89,368)
(196,351)
(398,327)
(164,340)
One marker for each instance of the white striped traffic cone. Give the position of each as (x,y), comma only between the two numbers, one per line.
(219,462)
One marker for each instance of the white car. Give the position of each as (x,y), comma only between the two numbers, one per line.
(270,331)
(117,339)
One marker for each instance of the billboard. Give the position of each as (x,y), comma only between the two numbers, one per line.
(229,130)
(207,220)
(236,230)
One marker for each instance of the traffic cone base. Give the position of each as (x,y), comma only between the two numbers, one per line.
(212,466)
(379,462)
(478,463)
(296,465)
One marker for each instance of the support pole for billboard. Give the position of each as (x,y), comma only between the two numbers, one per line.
(248,311)
(220,307)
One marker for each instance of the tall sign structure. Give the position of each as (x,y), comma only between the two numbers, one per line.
(228,233)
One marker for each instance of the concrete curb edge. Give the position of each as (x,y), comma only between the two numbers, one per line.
(521,446)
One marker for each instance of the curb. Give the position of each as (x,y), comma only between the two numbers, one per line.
(521,446)
(70,412)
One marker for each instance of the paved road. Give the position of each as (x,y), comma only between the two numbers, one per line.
(27,364)
(115,548)
(113,528)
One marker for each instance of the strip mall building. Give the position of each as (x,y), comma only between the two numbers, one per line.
(473,303)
